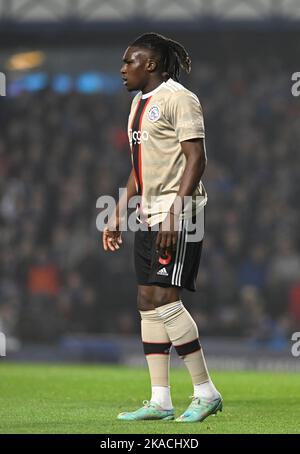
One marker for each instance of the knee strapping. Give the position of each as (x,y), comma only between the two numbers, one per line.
(181,327)
(154,335)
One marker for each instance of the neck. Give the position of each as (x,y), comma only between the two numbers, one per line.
(152,84)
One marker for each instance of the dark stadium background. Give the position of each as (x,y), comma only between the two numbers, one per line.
(63,144)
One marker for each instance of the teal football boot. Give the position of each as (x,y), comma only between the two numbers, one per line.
(150,411)
(201,408)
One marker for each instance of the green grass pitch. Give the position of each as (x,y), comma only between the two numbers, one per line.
(65,399)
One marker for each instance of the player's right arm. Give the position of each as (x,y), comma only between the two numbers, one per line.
(111,235)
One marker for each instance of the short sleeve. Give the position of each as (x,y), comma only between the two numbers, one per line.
(185,115)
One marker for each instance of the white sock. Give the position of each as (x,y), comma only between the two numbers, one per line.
(161,396)
(206,390)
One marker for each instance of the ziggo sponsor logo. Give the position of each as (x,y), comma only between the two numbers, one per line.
(137,137)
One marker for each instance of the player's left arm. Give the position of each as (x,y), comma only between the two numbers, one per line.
(196,159)
(195,153)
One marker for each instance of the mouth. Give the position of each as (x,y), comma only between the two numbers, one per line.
(124,81)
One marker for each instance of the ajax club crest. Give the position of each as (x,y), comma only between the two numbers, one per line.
(154,113)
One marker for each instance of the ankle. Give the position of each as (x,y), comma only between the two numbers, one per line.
(206,390)
(162,397)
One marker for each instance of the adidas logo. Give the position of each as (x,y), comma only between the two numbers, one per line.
(163,272)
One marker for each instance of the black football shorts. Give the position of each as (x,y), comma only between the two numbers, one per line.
(175,267)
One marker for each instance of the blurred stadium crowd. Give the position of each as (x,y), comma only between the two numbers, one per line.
(59,153)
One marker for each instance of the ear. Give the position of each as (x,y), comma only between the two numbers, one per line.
(151,65)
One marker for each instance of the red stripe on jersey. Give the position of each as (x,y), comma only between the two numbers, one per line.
(140,147)
(131,127)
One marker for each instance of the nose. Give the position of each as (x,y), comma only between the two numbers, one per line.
(122,70)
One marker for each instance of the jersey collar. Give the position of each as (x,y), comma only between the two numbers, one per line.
(147,95)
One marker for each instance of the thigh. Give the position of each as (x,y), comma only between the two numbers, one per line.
(152,296)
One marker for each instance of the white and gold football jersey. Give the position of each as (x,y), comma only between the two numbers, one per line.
(158,122)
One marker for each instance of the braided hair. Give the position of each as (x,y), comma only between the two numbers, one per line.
(172,55)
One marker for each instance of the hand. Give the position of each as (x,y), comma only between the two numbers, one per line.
(111,239)
(168,233)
